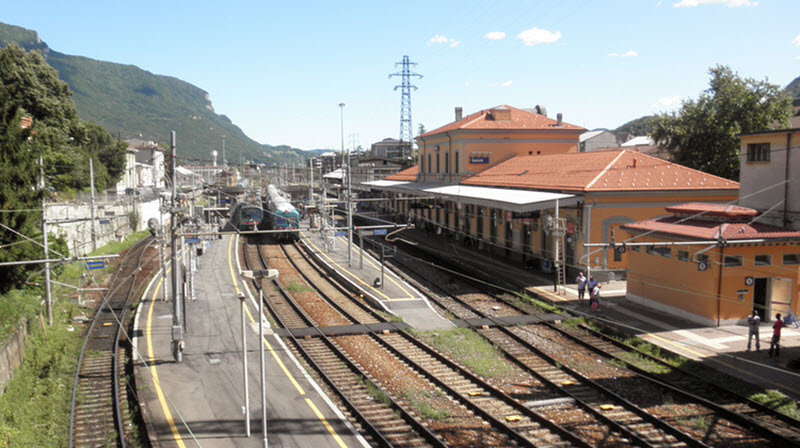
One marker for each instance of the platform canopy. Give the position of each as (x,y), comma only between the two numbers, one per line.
(338,173)
(502,198)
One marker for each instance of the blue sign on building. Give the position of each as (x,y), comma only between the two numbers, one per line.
(479,160)
(380,231)
(192,240)
(338,234)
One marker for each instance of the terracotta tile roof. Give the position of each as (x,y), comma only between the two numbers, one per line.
(712,210)
(710,230)
(407,175)
(620,170)
(492,118)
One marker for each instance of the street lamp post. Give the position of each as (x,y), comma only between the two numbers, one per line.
(349,198)
(244,369)
(259,277)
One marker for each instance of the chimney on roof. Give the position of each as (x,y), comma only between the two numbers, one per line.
(559,119)
(459,113)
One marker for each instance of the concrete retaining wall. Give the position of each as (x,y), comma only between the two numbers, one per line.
(12,354)
(113,221)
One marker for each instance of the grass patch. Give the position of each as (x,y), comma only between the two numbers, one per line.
(469,349)
(538,304)
(777,401)
(35,408)
(421,402)
(296,288)
(376,392)
(770,398)
(34,411)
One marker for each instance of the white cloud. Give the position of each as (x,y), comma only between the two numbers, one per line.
(629,54)
(658,5)
(667,103)
(507,83)
(796,41)
(536,36)
(495,35)
(797,58)
(467,84)
(501,84)
(439,39)
(728,3)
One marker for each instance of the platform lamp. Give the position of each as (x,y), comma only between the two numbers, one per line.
(259,276)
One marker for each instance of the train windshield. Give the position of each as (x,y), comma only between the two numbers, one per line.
(251,214)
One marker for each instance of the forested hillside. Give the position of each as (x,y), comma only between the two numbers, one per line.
(131,102)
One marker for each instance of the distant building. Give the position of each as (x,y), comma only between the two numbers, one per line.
(150,168)
(598,139)
(390,148)
(770,175)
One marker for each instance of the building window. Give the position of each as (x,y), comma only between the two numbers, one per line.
(437,163)
(702,258)
(665,252)
(455,165)
(732,261)
(763,260)
(683,255)
(636,248)
(429,163)
(447,163)
(758,152)
(791,259)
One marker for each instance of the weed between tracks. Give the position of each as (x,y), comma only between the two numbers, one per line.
(770,398)
(469,349)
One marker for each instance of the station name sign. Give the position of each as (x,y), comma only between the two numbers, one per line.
(481,160)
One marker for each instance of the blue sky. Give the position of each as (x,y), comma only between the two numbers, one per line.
(279,69)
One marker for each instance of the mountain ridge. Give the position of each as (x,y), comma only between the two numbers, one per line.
(132,102)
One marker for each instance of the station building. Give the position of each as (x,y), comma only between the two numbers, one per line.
(712,264)
(512,182)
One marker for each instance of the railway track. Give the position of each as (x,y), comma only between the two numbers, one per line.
(99,406)
(381,420)
(738,419)
(520,424)
(411,387)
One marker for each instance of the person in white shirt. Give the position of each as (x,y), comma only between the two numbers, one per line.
(753,322)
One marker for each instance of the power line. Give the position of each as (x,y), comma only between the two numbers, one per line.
(406,133)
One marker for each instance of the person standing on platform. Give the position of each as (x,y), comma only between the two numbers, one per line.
(776,336)
(590,286)
(594,299)
(581,280)
(753,321)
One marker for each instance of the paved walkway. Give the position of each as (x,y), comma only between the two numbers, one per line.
(200,402)
(393,294)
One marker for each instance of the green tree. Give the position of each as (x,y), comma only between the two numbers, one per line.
(704,134)
(30,88)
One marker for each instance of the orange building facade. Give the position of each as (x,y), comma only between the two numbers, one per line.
(710,264)
(486,138)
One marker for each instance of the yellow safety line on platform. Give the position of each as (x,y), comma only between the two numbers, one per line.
(154,371)
(253,320)
(367,285)
(286,372)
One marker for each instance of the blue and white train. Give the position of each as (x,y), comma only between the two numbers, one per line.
(280,214)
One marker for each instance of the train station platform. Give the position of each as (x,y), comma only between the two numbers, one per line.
(724,348)
(201,401)
(364,275)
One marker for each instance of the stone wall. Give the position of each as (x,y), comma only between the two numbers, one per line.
(73,222)
(12,354)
